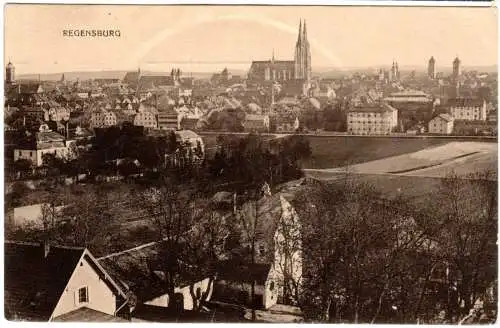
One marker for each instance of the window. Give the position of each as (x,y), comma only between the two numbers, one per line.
(83,295)
(20,154)
(31,153)
(271,286)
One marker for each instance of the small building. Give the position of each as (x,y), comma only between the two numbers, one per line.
(256,123)
(44,142)
(56,283)
(372,119)
(469,109)
(441,124)
(145,119)
(234,284)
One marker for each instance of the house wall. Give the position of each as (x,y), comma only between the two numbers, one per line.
(270,295)
(204,285)
(375,123)
(35,156)
(159,301)
(440,126)
(101,297)
(470,113)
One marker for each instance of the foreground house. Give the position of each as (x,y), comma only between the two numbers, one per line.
(56,283)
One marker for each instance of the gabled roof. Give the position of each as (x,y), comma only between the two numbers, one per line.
(373,108)
(84,314)
(33,282)
(35,278)
(243,272)
(131,77)
(48,136)
(446,117)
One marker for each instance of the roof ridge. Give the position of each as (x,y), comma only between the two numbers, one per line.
(20,242)
(127,250)
(32,243)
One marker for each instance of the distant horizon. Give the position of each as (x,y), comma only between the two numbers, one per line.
(208,38)
(237,71)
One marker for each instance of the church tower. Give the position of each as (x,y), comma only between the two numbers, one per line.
(456,68)
(10,73)
(302,54)
(394,71)
(431,68)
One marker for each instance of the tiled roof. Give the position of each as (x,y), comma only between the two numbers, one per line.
(131,77)
(446,117)
(373,108)
(85,314)
(465,102)
(48,136)
(33,282)
(243,272)
(139,270)
(146,82)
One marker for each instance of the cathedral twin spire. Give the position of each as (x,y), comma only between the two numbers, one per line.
(302,54)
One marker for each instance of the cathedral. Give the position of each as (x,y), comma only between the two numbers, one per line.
(283,70)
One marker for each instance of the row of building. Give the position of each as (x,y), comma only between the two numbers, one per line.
(383,118)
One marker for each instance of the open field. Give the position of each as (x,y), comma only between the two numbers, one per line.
(329,152)
(460,157)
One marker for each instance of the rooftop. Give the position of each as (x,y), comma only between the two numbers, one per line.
(373,108)
(31,292)
(85,314)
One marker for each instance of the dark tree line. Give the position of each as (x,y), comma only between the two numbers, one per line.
(254,160)
(371,259)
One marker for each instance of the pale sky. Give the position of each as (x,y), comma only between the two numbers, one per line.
(208,38)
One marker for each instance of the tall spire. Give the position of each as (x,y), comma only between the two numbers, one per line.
(273,56)
(300,32)
(304,37)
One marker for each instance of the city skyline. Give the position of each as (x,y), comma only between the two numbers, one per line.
(161,37)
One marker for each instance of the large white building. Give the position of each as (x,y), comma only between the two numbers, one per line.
(102,119)
(468,109)
(145,119)
(375,119)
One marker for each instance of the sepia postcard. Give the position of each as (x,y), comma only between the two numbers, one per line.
(269,164)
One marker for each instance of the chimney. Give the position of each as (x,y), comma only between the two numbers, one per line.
(46,249)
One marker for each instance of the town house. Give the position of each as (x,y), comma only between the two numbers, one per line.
(55,283)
